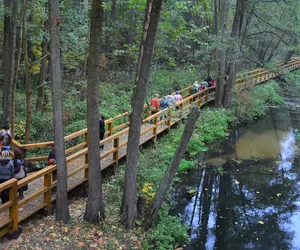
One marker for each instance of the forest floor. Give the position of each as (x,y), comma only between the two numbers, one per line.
(45,233)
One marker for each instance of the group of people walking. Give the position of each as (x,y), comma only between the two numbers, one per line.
(165,102)
(11,167)
(169,100)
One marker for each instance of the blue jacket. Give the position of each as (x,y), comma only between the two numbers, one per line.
(7,170)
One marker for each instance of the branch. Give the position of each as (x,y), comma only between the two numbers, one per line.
(45,83)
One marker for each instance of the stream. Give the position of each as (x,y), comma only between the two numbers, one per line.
(247,188)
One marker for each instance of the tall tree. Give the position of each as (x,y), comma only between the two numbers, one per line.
(221,8)
(95,206)
(62,210)
(27,73)
(9,53)
(238,30)
(173,168)
(129,204)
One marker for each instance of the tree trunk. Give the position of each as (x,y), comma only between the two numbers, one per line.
(40,102)
(26,76)
(173,168)
(16,73)
(238,28)
(9,53)
(221,16)
(95,207)
(129,201)
(130,42)
(62,210)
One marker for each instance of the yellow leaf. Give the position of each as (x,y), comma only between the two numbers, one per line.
(261,222)
(237,182)
(278,194)
(52,227)
(66,230)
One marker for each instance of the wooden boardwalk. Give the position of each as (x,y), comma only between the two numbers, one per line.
(39,194)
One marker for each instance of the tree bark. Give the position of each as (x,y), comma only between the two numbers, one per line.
(129,201)
(221,16)
(9,53)
(173,168)
(95,207)
(130,42)
(238,29)
(26,76)
(40,102)
(62,210)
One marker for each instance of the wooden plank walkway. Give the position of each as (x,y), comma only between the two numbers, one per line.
(39,194)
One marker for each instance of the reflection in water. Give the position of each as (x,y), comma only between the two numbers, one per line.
(255,204)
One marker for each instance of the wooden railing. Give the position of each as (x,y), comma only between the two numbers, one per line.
(41,183)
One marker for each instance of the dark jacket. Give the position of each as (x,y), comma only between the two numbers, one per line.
(7,170)
(101,126)
(18,163)
(52,155)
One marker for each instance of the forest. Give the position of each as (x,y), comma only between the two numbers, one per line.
(65,62)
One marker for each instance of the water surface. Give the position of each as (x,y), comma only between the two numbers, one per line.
(255,202)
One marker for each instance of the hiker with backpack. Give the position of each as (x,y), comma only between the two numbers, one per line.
(20,171)
(7,172)
(5,139)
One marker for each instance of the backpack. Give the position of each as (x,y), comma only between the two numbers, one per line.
(21,174)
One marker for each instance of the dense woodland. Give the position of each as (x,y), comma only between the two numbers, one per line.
(66,61)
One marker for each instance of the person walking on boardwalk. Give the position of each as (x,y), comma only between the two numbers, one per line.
(164,105)
(178,98)
(5,139)
(155,104)
(7,172)
(194,90)
(20,171)
(101,129)
(170,99)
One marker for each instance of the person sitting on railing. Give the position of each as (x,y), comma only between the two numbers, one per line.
(5,139)
(155,104)
(178,98)
(170,99)
(101,129)
(7,172)
(20,171)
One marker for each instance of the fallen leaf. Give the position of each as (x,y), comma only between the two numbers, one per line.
(261,222)
(66,230)
(237,182)
(81,244)
(52,227)
(192,191)
(278,194)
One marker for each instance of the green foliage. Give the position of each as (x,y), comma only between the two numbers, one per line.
(248,105)
(168,233)
(186,165)
(298,136)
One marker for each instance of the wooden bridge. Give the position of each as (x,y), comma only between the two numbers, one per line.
(41,183)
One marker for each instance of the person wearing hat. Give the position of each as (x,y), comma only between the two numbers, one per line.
(155,104)
(5,139)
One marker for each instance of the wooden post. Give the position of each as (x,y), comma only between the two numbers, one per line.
(47,195)
(116,153)
(13,210)
(181,110)
(86,158)
(155,128)
(206,96)
(169,118)
(110,127)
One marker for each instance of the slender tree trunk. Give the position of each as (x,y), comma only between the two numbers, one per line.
(9,53)
(129,201)
(16,73)
(130,42)
(221,16)
(95,206)
(62,210)
(40,102)
(238,28)
(26,76)
(173,168)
